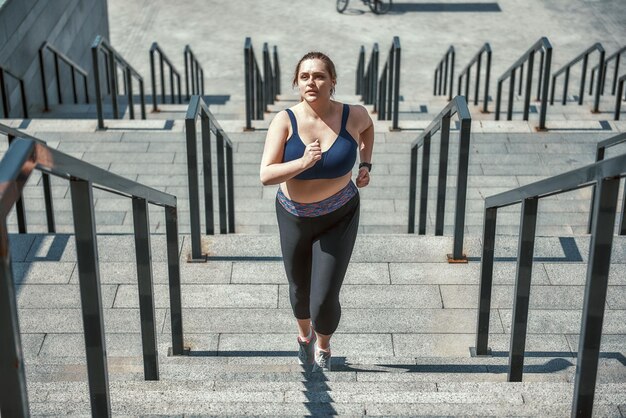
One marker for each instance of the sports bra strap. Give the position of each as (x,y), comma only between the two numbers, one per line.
(294,124)
(344,118)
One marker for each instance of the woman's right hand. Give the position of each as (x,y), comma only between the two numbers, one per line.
(312,154)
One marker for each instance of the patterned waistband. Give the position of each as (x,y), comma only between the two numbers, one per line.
(310,210)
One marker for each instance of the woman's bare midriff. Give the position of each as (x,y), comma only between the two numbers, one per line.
(309,191)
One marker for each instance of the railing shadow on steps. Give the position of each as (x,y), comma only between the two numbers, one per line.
(616,56)
(600,151)
(367,76)
(388,106)
(18,163)
(442,123)
(226,198)
(544,47)
(605,175)
(112,58)
(193,73)
(45,179)
(261,88)
(74,68)
(441,86)
(466,72)
(584,57)
(5,96)
(163,59)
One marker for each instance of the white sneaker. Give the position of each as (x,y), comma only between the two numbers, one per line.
(305,350)
(322,360)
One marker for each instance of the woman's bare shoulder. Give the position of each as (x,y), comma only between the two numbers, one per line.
(360,115)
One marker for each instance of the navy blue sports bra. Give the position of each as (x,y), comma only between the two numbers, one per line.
(337,161)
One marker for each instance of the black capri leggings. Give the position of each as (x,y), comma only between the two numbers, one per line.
(316,252)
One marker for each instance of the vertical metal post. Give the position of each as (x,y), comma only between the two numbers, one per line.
(143,252)
(24,100)
(13,391)
(595,296)
(187,69)
(424,186)
(58,77)
(207,172)
(615,73)
(221,181)
(445,74)
(90,296)
(443,174)
(509,111)
(451,74)
(248,85)
(172,87)
(142,99)
(192,178)
(486,280)
(360,69)
(498,99)
(461,190)
(487,76)
(583,76)
(467,83)
(277,70)
(231,189)
(96,78)
(477,85)
(435,81)
(529,83)
(622,224)
(42,70)
(47,195)
(129,93)
(521,79)
(86,86)
(412,189)
(162,76)
(544,89)
(173,268)
(440,76)
(541,62)
(19,204)
(552,89)
(618,97)
(382,93)
(565,86)
(396,87)
(74,85)
(596,101)
(593,75)
(180,97)
(519,321)
(113,80)
(153,81)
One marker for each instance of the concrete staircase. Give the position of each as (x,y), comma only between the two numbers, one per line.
(403,346)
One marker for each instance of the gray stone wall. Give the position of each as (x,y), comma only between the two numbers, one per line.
(68,25)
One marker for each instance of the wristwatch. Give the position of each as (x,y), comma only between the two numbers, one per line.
(366,165)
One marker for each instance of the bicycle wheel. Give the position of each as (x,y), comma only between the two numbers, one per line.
(341,5)
(380,7)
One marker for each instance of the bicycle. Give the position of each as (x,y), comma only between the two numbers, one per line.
(379,7)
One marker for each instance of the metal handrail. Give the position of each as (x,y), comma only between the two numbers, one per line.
(360,72)
(584,57)
(600,150)
(369,79)
(276,71)
(5,96)
(208,123)
(22,157)
(255,86)
(618,96)
(616,57)
(75,68)
(45,179)
(544,47)
(389,86)
(270,77)
(605,175)
(441,74)
(442,122)
(163,59)
(193,72)
(466,72)
(112,59)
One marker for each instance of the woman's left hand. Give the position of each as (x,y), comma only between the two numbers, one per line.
(363,179)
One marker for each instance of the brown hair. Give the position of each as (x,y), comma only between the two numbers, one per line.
(330,66)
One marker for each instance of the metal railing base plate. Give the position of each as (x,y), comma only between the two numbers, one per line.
(452,260)
(474,354)
(186,351)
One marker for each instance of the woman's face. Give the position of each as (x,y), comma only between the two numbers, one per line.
(314,81)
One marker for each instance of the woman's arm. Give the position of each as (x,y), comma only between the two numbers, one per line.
(273,170)
(366,143)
